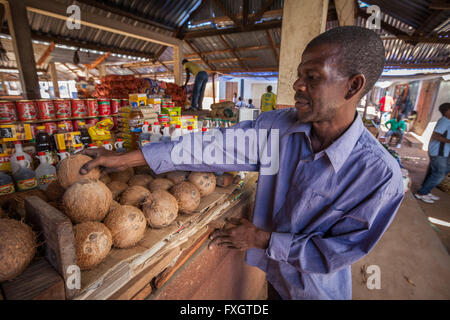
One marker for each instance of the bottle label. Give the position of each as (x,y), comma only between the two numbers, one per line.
(27,184)
(144,142)
(47,178)
(7,189)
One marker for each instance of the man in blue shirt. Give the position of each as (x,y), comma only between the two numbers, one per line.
(438,150)
(327,189)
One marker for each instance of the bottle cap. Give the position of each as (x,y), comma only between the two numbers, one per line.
(62,150)
(177,126)
(119,140)
(145,123)
(21,158)
(106,142)
(17,142)
(189,127)
(40,127)
(41,153)
(166,125)
(91,145)
(204,129)
(156,123)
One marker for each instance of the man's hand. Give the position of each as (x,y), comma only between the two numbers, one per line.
(111,161)
(241,237)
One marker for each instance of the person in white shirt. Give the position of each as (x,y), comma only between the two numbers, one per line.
(250,104)
(241,103)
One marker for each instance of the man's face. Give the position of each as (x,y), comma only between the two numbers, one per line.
(319,90)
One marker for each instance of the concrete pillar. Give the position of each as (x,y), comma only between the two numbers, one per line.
(54,77)
(302,21)
(346,10)
(19,29)
(177,66)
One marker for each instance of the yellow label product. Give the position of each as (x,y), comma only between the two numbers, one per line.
(138,99)
(7,189)
(27,184)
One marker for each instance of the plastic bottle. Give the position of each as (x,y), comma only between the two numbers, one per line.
(145,136)
(43,142)
(19,152)
(77,149)
(166,134)
(156,132)
(63,154)
(59,137)
(135,122)
(25,178)
(92,146)
(107,145)
(6,184)
(177,132)
(119,146)
(45,172)
(85,137)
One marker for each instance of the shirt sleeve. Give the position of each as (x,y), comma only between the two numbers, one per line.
(402,125)
(350,238)
(441,126)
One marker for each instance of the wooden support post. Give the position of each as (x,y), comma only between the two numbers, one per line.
(295,35)
(346,12)
(102,70)
(23,47)
(46,54)
(54,77)
(214,87)
(177,66)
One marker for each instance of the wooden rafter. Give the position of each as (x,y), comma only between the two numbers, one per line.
(233,51)
(205,61)
(245,8)
(228,13)
(190,17)
(98,61)
(162,63)
(216,32)
(46,54)
(419,65)
(440,5)
(252,48)
(272,45)
(427,23)
(260,12)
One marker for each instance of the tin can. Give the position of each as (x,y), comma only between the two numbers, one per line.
(68,123)
(164,118)
(50,127)
(7,111)
(76,124)
(78,108)
(33,129)
(92,107)
(62,108)
(46,110)
(91,122)
(116,123)
(104,107)
(115,106)
(124,102)
(26,110)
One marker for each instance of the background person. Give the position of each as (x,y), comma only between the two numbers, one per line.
(250,104)
(241,103)
(385,105)
(397,128)
(268,100)
(201,79)
(438,150)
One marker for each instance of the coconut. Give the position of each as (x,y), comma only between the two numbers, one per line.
(134,196)
(54,191)
(117,187)
(105,178)
(127,225)
(123,176)
(92,243)
(177,176)
(3,213)
(140,180)
(143,170)
(87,200)
(17,248)
(69,170)
(160,209)
(187,195)
(204,181)
(113,206)
(160,184)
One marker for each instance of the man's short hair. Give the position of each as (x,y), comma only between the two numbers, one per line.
(250,101)
(443,108)
(361,52)
(184,61)
(269,89)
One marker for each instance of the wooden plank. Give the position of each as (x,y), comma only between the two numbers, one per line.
(144,293)
(258,15)
(46,54)
(198,53)
(54,77)
(38,282)
(229,14)
(56,229)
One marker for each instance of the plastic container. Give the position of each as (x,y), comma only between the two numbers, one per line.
(156,132)
(43,140)
(19,152)
(135,122)
(107,145)
(145,137)
(92,146)
(6,184)
(62,154)
(85,137)
(25,178)
(119,146)
(45,172)
(77,149)
(166,134)
(177,132)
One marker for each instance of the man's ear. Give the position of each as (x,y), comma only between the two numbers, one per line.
(356,86)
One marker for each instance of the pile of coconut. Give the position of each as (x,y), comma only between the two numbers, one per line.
(114,210)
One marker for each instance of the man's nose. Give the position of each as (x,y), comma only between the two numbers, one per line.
(299,84)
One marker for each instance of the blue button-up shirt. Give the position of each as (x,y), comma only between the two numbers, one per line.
(325,210)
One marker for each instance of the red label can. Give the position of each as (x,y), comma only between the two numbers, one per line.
(46,110)
(33,128)
(115,106)
(26,110)
(104,107)
(62,108)
(7,111)
(68,123)
(116,123)
(92,107)
(91,122)
(78,108)
(51,127)
(76,124)
(124,103)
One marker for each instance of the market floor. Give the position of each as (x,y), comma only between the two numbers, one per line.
(412,255)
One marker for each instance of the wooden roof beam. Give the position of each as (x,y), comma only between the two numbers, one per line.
(440,5)
(260,12)
(272,45)
(243,65)
(205,61)
(46,54)
(217,32)
(228,13)
(190,17)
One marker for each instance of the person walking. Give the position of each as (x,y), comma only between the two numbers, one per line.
(241,103)
(268,100)
(438,150)
(201,79)
(385,105)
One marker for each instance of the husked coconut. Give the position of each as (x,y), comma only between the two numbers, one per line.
(140,180)
(17,248)
(113,206)
(204,181)
(105,178)
(93,242)
(143,170)
(117,187)
(123,176)
(160,209)
(160,184)
(127,225)
(54,191)
(87,200)
(134,196)
(187,195)
(69,170)
(177,176)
